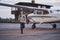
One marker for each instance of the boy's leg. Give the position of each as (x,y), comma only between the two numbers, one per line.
(22,25)
(21,30)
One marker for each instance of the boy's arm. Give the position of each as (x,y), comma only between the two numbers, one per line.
(25,19)
(19,18)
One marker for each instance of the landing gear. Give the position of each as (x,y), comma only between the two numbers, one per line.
(34,26)
(54,25)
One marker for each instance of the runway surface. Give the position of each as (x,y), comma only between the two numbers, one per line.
(30,34)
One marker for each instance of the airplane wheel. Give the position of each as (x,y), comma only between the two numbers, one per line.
(54,25)
(34,26)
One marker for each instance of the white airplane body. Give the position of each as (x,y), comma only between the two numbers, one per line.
(43,18)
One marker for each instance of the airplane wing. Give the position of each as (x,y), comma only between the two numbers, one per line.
(21,6)
(17,6)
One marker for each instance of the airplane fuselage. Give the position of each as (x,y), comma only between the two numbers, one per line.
(42,18)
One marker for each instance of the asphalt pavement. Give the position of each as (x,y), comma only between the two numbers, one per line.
(30,34)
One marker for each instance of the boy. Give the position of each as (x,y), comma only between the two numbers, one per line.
(22,20)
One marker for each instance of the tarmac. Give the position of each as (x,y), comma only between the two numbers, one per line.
(30,34)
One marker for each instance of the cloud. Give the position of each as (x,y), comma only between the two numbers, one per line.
(45,1)
(57,4)
(14,1)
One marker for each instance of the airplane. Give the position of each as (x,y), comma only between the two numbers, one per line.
(39,15)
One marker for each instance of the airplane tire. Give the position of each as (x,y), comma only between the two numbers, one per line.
(34,26)
(54,25)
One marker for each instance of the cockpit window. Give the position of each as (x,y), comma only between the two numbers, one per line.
(41,12)
(51,11)
(35,11)
(45,12)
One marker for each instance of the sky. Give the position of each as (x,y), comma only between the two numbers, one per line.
(5,12)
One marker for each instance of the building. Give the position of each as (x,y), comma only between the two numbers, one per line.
(16,11)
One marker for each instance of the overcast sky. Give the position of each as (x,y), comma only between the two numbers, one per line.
(5,12)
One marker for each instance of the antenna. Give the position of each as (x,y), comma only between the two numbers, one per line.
(33,1)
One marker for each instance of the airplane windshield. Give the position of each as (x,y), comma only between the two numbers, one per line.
(45,12)
(41,12)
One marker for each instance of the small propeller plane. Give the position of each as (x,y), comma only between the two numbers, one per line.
(39,15)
